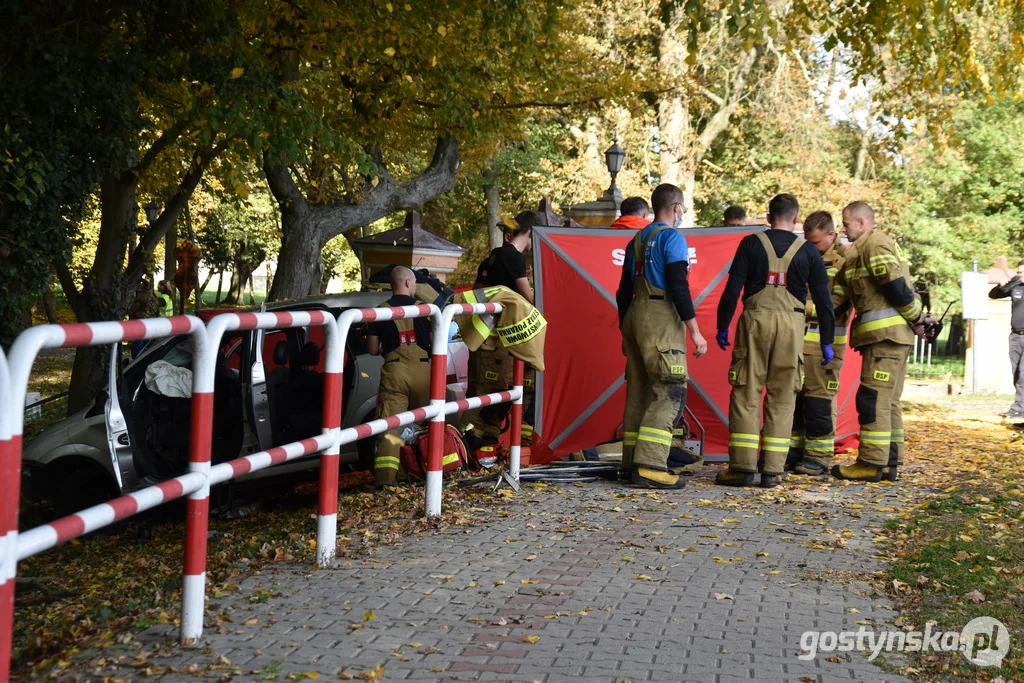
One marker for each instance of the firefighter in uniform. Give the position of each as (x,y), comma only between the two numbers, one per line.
(814,421)
(876,280)
(655,311)
(490,367)
(775,269)
(405,375)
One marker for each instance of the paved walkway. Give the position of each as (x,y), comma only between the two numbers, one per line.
(590,582)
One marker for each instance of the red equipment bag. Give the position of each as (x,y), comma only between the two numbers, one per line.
(454,456)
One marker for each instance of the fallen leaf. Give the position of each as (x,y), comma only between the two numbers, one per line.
(975,596)
(723,596)
(369,616)
(531,639)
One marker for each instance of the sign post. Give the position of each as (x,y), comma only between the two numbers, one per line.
(974,289)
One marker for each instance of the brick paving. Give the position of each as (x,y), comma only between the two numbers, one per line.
(591,582)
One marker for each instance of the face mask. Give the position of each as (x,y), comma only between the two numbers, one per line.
(678,223)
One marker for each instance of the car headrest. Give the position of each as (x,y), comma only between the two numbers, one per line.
(281,353)
(310,354)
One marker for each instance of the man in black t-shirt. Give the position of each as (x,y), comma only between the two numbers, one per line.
(506,265)
(405,375)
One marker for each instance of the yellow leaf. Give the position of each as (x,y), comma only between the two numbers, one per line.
(389,51)
(476,620)
(369,616)
(250,622)
(687,550)
(731,544)
(761,554)
(775,571)
(730,521)
(499,582)
(237,72)
(442,31)
(525,581)
(390,7)
(531,639)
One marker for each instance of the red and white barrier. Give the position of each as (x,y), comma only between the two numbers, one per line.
(438,370)
(195,484)
(197,514)
(13,384)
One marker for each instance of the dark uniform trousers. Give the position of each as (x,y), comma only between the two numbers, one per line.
(654,341)
(404,384)
(768,357)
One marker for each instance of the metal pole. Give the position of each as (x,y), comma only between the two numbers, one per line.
(974,355)
(929,355)
(517,420)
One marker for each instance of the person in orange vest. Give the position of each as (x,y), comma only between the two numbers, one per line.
(634,212)
(405,375)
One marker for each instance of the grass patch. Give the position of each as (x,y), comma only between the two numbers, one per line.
(960,555)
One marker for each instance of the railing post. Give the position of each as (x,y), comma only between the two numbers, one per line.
(197,507)
(516,426)
(327,508)
(10,481)
(435,430)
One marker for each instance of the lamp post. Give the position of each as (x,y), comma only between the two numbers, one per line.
(613,158)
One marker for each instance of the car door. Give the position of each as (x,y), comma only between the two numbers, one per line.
(119,443)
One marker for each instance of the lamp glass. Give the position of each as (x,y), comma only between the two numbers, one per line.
(152,211)
(614,157)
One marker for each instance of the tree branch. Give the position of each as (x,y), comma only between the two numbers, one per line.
(712,96)
(161,143)
(67,281)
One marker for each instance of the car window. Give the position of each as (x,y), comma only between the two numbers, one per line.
(180,354)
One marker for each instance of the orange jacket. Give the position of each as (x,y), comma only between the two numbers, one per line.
(630,223)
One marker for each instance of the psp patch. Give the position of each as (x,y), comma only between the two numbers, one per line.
(677,369)
(879,270)
(733,375)
(491,375)
(832,385)
(881,376)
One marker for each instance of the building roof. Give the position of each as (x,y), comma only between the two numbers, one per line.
(411,235)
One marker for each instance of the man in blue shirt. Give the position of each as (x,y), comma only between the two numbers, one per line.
(655,311)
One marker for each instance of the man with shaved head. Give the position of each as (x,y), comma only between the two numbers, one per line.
(405,375)
(875,280)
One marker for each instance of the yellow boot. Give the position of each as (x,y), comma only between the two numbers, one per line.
(645,477)
(858,471)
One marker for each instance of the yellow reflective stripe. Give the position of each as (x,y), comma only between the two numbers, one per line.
(892,321)
(816,337)
(659,436)
(898,435)
(523,330)
(831,270)
(744,440)
(913,312)
(875,437)
(774,443)
(629,438)
(882,258)
(449,459)
(820,443)
(796,442)
(854,273)
(385,462)
(472,297)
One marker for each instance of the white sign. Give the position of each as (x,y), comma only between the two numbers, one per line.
(975,287)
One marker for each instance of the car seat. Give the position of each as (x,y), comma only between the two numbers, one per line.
(277,390)
(305,392)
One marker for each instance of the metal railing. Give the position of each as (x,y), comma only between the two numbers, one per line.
(196,483)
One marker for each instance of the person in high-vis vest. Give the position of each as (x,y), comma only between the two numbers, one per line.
(405,375)
(163,295)
(876,279)
(655,312)
(490,367)
(814,420)
(775,270)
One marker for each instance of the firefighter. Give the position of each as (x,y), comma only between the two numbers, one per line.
(875,279)
(405,375)
(814,420)
(165,297)
(775,269)
(490,367)
(655,311)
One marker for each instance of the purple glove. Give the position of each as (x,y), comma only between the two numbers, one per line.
(723,339)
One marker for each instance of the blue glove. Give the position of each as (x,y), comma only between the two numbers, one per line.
(723,339)
(827,354)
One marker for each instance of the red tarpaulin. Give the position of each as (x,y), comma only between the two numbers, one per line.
(581,394)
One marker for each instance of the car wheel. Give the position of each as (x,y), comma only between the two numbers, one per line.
(82,488)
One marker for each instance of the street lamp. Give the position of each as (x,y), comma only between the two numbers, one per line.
(152,212)
(613,158)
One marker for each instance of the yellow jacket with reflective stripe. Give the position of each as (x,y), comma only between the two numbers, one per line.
(834,259)
(519,327)
(872,261)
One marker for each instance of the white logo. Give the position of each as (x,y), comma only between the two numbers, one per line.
(984,641)
(618,257)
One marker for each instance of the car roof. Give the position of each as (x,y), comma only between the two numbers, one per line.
(333,301)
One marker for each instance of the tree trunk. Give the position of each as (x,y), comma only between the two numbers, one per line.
(673,110)
(170,267)
(689,186)
(492,202)
(235,288)
(862,153)
(306,228)
(220,285)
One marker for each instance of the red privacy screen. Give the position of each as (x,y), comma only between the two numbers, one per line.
(582,393)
